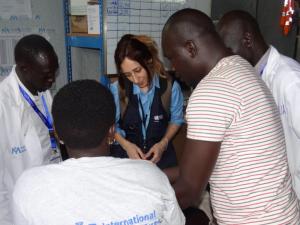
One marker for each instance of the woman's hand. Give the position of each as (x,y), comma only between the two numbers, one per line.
(133,151)
(155,153)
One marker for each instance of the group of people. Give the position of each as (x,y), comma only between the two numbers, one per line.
(238,139)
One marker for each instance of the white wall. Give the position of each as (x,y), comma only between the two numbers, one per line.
(47,20)
(204,5)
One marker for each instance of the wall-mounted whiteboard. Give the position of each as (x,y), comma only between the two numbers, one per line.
(23,17)
(140,17)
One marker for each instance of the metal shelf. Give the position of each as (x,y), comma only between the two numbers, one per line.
(82,40)
(94,42)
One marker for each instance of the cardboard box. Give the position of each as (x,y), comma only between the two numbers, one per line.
(79,24)
(93,18)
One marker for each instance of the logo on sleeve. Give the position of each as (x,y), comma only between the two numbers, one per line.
(282,109)
(18,150)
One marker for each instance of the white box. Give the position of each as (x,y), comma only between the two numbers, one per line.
(93,19)
(78,7)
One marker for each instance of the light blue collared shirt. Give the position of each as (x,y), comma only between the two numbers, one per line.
(176,106)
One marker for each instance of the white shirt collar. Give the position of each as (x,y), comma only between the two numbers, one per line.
(261,64)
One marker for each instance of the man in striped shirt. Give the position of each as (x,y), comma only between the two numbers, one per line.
(235,138)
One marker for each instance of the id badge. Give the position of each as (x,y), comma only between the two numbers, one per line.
(55,154)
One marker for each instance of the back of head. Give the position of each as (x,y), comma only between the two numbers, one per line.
(29,47)
(240,32)
(83,112)
(187,23)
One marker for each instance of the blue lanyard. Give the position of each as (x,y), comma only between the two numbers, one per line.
(47,120)
(143,113)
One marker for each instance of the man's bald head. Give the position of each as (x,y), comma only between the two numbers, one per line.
(188,23)
(191,43)
(240,18)
(240,32)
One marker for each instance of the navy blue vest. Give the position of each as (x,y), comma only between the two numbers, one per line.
(131,123)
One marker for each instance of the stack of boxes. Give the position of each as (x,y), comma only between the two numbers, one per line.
(84,16)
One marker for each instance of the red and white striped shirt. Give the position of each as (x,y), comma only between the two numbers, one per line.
(250,183)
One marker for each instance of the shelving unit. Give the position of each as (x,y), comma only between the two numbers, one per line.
(84,40)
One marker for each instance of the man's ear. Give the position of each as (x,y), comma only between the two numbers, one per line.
(247,40)
(20,66)
(191,48)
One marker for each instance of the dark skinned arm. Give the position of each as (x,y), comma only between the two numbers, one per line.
(196,165)
(172,173)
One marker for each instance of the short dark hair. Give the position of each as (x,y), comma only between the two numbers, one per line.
(83,111)
(28,48)
(187,21)
(244,19)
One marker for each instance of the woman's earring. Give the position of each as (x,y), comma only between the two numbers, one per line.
(110,140)
(111,135)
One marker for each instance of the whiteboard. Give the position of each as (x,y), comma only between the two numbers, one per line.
(140,17)
(38,20)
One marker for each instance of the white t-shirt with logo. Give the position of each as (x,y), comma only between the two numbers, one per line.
(96,191)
